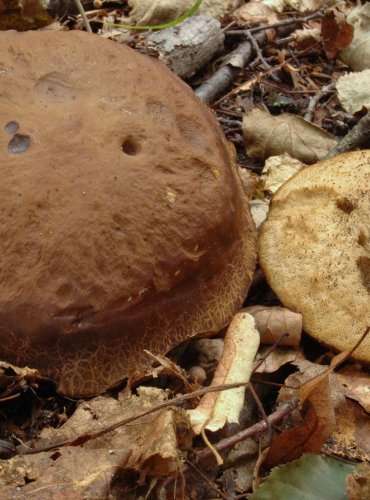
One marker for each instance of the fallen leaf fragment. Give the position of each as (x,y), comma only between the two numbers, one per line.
(357,54)
(266,135)
(350,438)
(354,91)
(236,364)
(272,322)
(152,12)
(259,211)
(336,33)
(70,473)
(277,358)
(278,169)
(356,385)
(254,12)
(358,483)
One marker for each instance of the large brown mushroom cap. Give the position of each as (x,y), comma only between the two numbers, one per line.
(123,224)
(315,249)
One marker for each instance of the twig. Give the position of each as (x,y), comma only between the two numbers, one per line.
(259,55)
(314,100)
(83,15)
(355,137)
(278,24)
(229,442)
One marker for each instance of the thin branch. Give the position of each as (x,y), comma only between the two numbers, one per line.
(314,100)
(83,15)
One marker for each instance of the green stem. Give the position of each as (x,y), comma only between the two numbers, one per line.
(170,24)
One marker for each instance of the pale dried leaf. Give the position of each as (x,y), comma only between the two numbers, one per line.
(240,347)
(356,385)
(255,12)
(266,135)
(357,54)
(354,91)
(277,358)
(70,473)
(151,12)
(259,211)
(278,169)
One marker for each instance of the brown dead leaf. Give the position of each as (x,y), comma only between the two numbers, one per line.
(236,364)
(356,385)
(272,322)
(336,33)
(320,400)
(266,135)
(152,441)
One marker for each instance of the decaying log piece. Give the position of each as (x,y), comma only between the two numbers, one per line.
(189,46)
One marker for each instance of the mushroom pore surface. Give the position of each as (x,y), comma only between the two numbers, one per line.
(123,223)
(315,249)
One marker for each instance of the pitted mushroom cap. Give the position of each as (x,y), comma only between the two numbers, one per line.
(123,223)
(315,249)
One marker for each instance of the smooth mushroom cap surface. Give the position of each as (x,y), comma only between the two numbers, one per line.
(314,249)
(123,222)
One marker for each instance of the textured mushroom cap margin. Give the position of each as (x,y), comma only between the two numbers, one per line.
(123,224)
(314,249)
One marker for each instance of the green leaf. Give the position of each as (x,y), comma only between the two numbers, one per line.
(311,477)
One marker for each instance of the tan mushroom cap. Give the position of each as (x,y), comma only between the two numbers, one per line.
(123,223)
(315,249)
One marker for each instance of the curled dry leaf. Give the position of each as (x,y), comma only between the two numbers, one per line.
(236,364)
(357,54)
(272,322)
(354,91)
(266,135)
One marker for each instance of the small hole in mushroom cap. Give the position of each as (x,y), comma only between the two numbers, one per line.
(12,127)
(19,144)
(130,146)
